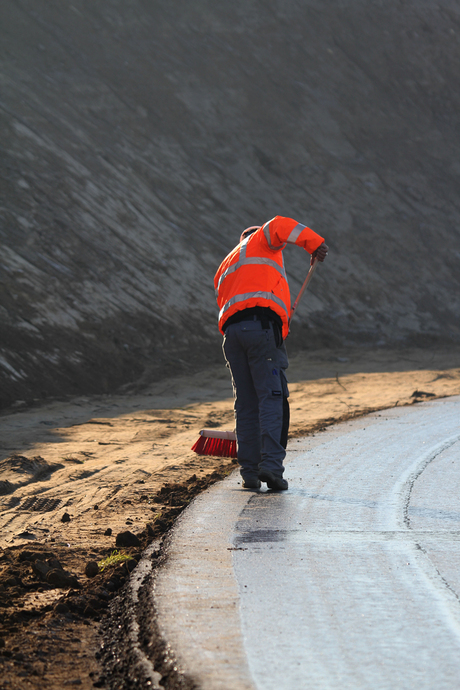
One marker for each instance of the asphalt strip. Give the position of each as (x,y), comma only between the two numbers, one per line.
(351,579)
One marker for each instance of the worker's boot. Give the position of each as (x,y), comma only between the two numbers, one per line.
(273,481)
(251,483)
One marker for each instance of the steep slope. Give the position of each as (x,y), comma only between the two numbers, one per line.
(139,138)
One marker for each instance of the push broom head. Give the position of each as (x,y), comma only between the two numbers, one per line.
(219,443)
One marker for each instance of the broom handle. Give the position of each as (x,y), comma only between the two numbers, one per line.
(304,286)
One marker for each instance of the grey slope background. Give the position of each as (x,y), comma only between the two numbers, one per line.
(139,138)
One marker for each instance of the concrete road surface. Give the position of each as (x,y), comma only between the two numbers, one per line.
(351,579)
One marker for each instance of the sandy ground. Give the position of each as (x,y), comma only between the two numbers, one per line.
(76,475)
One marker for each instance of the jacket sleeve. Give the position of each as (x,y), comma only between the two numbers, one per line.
(280,231)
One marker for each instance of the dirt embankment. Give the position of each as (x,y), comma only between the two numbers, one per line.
(138,139)
(105,476)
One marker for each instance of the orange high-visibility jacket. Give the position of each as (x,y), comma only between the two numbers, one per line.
(253,274)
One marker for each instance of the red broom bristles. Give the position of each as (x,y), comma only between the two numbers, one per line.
(210,445)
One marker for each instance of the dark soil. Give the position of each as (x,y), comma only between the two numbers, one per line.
(58,626)
(139,139)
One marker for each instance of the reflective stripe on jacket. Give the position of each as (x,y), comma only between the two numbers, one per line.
(253,274)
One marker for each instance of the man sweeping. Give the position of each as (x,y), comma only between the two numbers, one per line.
(254,309)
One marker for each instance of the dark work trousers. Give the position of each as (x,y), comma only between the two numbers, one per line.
(260,387)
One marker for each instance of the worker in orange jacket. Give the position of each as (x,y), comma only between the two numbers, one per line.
(254,309)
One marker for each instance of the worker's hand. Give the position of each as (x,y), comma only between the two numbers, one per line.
(320,253)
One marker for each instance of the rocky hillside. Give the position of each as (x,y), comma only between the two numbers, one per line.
(139,138)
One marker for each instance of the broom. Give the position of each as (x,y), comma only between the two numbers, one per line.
(223,443)
(212,442)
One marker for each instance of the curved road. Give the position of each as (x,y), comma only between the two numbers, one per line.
(351,579)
